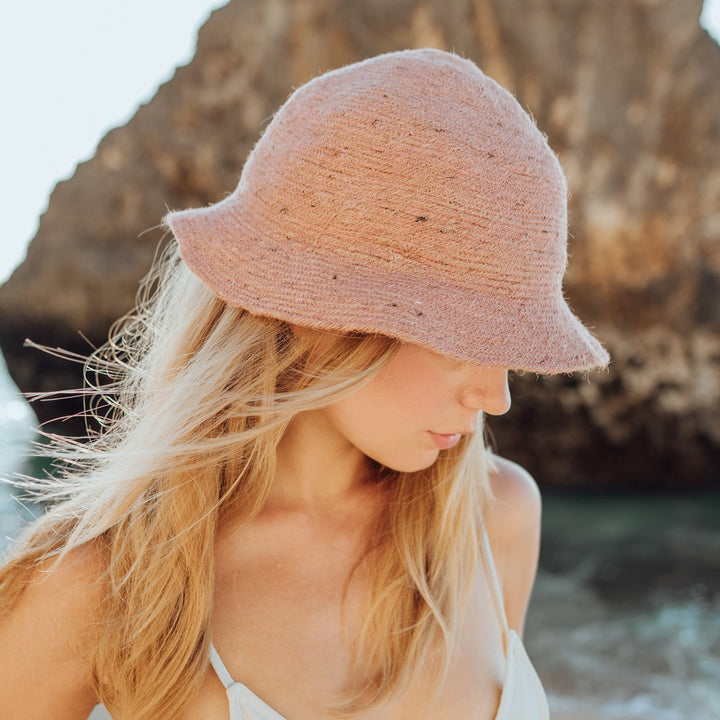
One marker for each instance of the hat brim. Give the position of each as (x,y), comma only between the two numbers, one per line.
(251,266)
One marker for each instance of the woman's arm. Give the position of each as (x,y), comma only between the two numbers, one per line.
(46,642)
(513,525)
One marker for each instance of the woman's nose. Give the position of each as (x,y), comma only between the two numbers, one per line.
(487,390)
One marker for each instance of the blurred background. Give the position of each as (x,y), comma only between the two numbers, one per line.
(625,618)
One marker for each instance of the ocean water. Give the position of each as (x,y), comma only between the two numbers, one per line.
(625,616)
(17,423)
(624,622)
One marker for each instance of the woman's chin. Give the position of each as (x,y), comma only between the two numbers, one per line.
(414,464)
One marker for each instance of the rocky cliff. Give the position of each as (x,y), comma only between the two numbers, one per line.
(627,92)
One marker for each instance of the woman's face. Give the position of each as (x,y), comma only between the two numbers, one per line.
(419,404)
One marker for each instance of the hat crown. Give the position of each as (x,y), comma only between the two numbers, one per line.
(416,157)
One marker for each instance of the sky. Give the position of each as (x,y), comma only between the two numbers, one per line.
(72,70)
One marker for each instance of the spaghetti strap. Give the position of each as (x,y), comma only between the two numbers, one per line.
(243,702)
(494,582)
(219,667)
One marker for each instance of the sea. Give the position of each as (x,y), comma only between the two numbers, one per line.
(624,622)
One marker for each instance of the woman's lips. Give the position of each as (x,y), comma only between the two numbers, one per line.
(445,442)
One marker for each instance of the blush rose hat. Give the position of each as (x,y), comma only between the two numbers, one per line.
(409,195)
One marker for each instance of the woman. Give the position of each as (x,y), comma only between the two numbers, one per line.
(291,488)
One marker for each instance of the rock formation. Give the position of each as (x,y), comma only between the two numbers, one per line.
(627,93)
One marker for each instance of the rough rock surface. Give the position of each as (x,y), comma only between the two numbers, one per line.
(626,91)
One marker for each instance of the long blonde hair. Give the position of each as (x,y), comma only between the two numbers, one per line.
(195,398)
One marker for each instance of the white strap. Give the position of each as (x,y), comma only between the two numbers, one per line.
(219,667)
(494,581)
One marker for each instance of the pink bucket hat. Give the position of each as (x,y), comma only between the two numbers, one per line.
(408,195)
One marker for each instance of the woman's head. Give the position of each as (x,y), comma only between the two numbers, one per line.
(212,372)
(407,195)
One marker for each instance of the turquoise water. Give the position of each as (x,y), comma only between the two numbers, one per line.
(624,622)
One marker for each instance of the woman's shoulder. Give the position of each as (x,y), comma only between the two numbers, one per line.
(48,635)
(512,519)
(516,496)
(73,580)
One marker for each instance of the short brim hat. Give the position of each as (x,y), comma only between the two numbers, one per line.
(407,195)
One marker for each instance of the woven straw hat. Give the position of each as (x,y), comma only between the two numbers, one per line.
(409,195)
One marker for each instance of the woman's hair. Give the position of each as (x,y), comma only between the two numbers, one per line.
(192,397)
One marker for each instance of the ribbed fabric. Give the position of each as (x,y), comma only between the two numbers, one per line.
(408,195)
(523,696)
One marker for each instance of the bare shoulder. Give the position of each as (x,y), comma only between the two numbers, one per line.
(516,498)
(47,636)
(68,588)
(513,522)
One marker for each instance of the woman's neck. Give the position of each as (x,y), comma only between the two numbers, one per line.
(318,470)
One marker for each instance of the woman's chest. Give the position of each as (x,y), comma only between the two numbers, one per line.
(284,631)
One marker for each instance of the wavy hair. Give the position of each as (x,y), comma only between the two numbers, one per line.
(192,397)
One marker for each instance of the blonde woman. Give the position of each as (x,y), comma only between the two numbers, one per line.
(290,512)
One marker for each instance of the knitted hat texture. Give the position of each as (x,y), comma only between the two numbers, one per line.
(408,195)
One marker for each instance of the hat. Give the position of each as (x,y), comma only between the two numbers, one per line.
(408,195)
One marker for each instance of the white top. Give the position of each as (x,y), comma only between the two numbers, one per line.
(523,696)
